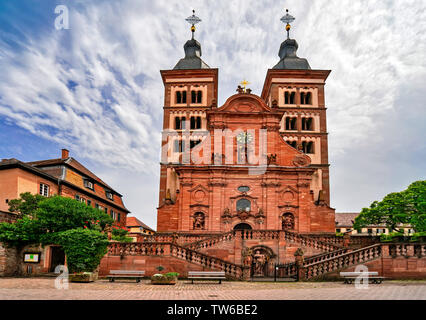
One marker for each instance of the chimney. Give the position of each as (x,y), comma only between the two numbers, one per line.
(65,154)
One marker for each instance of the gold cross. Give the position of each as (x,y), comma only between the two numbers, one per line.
(244,83)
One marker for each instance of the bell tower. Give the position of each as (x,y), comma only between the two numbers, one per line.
(190,89)
(297,91)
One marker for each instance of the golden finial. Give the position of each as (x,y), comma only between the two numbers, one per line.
(244,83)
(287,19)
(193,20)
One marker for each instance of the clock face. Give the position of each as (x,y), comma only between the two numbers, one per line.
(244,137)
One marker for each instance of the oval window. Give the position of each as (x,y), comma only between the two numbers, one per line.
(243,189)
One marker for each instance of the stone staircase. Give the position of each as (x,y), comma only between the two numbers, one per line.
(171,249)
(293,237)
(334,256)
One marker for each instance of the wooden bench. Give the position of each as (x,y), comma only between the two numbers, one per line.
(126,274)
(206,275)
(373,276)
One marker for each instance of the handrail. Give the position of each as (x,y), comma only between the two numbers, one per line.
(175,250)
(343,261)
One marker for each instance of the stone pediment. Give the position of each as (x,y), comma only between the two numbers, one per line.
(244,103)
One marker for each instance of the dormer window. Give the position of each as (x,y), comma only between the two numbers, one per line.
(89,184)
(196,96)
(109,195)
(289,97)
(180,96)
(305,98)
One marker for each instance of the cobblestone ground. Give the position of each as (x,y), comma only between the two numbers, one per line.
(44,289)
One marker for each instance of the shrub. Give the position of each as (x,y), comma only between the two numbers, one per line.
(172,275)
(84,248)
(120,234)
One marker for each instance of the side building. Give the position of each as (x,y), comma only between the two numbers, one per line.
(345,222)
(64,176)
(138,229)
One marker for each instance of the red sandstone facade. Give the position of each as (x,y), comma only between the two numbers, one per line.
(291,189)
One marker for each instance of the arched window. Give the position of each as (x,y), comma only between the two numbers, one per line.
(288,221)
(308,124)
(291,123)
(308,147)
(196,96)
(180,96)
(242,226)
(305,98)
(289,97)
(308,99)
(195,122)
(199,221)
(180,123)
(292,143)
(243,205)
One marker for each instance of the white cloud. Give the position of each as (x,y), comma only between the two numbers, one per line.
(115,49)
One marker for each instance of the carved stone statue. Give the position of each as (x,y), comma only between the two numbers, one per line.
(199,221)
(259,262)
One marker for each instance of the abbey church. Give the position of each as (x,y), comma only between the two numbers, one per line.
(261,161)
(244,186)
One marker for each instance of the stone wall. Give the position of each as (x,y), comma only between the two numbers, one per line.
(12,261)
(8,265)
(7,217)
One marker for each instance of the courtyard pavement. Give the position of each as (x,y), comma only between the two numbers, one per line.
(44,289)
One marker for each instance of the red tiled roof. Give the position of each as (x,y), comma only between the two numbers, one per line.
(135,222)
(35,167)
(72,163)
(345,219)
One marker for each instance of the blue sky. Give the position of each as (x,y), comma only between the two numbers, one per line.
(96,88)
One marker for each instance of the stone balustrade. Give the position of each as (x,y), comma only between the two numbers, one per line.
(308,241)
(170,249)
(342,261)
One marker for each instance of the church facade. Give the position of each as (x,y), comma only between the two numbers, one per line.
(254,163)
(244,186)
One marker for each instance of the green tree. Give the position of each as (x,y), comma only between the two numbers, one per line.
(27,204)
(397,208)
(59,220)
(84,248)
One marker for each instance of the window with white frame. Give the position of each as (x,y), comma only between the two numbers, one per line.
(44,190)
(88,184)
(109,195)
